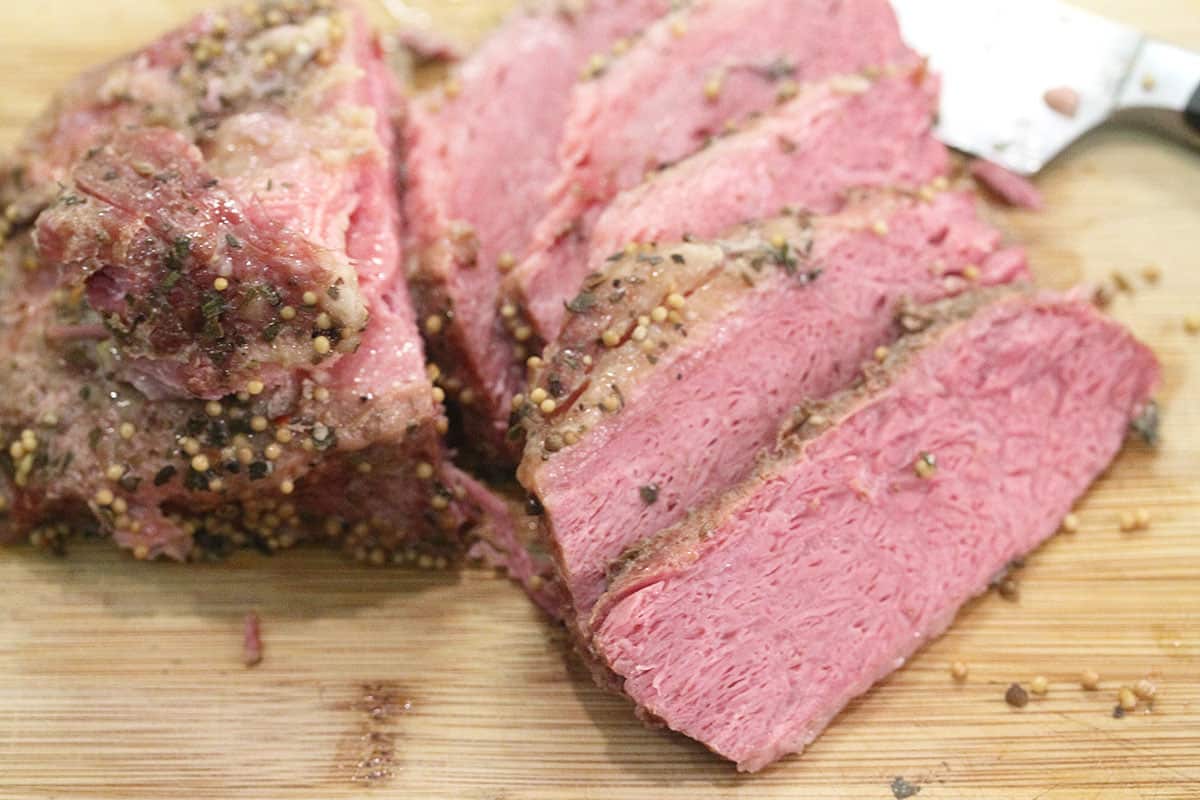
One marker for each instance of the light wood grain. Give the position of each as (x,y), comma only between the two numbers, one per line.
(120,680)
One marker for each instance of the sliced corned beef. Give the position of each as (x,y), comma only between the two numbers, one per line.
(480,157)
(210,339)
(679,362)
(750,625)
(692,75)
(838,134)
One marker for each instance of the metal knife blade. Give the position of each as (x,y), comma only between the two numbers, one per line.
(998,58)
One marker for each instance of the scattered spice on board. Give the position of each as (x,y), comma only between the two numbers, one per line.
(252,649)
(1016,696)
(902,789)
(649,493)
(958,670)
(1089,679)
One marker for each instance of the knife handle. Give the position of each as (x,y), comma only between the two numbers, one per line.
(1163,90)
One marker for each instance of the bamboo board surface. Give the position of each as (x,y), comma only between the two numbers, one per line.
(122,680)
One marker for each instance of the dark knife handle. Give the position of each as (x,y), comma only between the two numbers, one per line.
(1191,114)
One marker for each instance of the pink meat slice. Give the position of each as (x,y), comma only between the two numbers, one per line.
(753,623)
(837,135)
(669,96)
(1013,189)
(755,343)
(479,160)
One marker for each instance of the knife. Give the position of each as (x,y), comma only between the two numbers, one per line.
(1023,79)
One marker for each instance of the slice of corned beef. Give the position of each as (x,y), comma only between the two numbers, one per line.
(753,623)
(691,76)
(680,362)
(838,134)
(211,342)
(480,157)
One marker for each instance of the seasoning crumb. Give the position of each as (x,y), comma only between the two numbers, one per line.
(649,493)
(1127,521)
(1089,679)
(1070,523)
(1141,519)
(1151,274)
(881,354)
(1145,689)
(1039,685)
(1121,282)
(1009,589)
(925,466)
(252,649)
(1118,712)
(1016,696)
(1126,699)
(958,670)
(902,789)
(1149,82)
(712,89)
(1063,99)
(1191,324)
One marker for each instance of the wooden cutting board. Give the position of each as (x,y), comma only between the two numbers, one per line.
(122,680)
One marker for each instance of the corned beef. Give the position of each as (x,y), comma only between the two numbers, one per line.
(210,339)
(480,157)
(692,75)
(838,134)
(679,362)
(750,625)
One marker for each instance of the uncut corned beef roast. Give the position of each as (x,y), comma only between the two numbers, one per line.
(695,74)
(208,340)
(681,361)
(752,623)
(480,157)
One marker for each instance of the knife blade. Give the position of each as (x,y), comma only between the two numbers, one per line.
(999,59)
